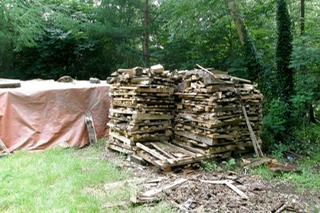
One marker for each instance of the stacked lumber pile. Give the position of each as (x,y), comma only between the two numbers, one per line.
(141,108)
(181,117)
(251,98)
(209,113)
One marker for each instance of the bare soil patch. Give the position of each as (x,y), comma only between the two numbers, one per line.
(194,195)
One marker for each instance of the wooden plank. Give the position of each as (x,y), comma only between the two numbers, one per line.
(236,190)
(229,184)
(150,158)
(150,137)
(131,112)
(142,80)
(255,143)
(163,151)
(196,137)
(90,127)
(130,72)
(117,142)
(192,149)
(145,116)
(125,140)
(233,78)
(220,149)
(179,149)
(119,149)
(9,84)
(3,147)
(156,191)
(152,152)
(137,90)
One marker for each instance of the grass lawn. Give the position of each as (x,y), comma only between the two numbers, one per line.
(65,180)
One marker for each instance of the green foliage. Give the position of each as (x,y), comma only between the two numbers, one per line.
(278,150)
(275,122)
(263,171)
(210,166)
(205,36)
(230,164)
(284,85)
(252,59)
(306,139)
(278,120)
(309,177)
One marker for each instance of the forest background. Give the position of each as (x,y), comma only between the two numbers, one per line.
(274,43)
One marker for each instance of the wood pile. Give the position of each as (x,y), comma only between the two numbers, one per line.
(251,98)
(141,107)
(209,113)
(181,117)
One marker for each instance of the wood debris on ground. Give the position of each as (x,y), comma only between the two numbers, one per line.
(221,192)
(181,117)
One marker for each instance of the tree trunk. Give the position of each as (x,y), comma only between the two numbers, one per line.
(311,114)
(237,19)
(302,23)
(146,54)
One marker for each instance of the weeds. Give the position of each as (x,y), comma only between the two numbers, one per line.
(308,178)
(65,180)
(230,164)
(209,166)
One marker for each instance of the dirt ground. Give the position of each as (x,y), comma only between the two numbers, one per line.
(197,195)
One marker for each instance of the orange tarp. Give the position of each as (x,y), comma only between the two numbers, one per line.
(44,114)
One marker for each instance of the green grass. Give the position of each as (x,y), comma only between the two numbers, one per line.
(64,180)
(308,178)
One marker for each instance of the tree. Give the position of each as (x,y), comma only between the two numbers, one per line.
(252,60)
(204,36)
(302,23)
(146,54)
(284,88)
(19,27)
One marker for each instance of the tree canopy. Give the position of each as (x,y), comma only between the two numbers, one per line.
(90,38)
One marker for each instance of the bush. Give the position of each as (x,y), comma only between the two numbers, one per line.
(274,123)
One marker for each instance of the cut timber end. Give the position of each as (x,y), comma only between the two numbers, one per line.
(157,68)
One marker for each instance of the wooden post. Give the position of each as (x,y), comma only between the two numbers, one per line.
(3,147)
(255,143)
(90,127)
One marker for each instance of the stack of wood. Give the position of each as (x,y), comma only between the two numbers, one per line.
(209,113)
(251,98)
(141,109)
